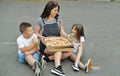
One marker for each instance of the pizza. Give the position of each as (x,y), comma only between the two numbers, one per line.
(57,42)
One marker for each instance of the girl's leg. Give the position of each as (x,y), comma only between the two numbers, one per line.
(79,53)
(73,58)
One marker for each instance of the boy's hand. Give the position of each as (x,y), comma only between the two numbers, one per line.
(34,41)
(28,53)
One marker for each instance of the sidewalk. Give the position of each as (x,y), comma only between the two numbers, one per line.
(102,27)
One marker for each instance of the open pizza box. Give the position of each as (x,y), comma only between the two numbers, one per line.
(54,44)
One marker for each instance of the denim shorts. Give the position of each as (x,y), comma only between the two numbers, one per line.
(21,57)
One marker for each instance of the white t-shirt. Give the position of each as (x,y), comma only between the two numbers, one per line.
(75,44)
(23,42)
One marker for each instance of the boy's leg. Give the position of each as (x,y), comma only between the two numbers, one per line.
(21,58)
(34,64)
(36,56)
(30,60)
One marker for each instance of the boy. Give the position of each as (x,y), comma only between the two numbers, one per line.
(27,46)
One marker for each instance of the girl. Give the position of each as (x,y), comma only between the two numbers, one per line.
(78,33)
(50,24)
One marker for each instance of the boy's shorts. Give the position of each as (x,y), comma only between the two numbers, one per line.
(21,57)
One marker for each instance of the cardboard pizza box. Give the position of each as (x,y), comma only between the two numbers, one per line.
(52,49)
(66,47)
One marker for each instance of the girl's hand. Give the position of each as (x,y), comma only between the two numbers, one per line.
(80,44)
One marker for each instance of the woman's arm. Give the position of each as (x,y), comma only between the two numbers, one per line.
(37,32)
(62,30)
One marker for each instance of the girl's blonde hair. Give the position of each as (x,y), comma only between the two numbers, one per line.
(80,30)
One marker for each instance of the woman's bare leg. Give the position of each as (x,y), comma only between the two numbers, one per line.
(56,56)
(65,54)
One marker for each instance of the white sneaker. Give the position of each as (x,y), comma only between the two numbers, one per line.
(42,63)
(75,67)
(88,66)
(37,69)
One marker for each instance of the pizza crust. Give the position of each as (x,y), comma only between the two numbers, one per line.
(57,42)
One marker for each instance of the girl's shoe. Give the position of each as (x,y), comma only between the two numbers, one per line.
(75,67)
(88,66)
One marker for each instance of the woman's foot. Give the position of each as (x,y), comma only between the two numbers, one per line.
(88,66)
(58,71)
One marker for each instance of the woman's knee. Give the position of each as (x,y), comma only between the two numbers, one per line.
(46,51)
(67,53)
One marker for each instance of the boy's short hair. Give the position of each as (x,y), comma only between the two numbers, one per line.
(23,26)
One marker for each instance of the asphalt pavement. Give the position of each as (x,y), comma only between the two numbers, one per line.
(101,21)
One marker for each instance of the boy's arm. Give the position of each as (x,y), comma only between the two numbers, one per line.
(32,50)
(25,49)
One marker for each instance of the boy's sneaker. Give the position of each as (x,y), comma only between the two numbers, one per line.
(37,68)
(88,66)
(42,63)
(58,71)
(75,67)
(46,58)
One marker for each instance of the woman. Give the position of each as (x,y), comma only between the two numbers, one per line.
(50,25)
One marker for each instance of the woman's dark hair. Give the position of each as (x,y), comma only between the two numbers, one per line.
(80,30)
(49,6)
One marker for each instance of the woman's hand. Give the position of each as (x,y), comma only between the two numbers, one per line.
(62,31)
(42,38)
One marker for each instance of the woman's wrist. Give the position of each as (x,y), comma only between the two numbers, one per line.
(39,36)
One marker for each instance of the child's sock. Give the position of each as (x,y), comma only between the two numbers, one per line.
(76,64)
(46,58)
